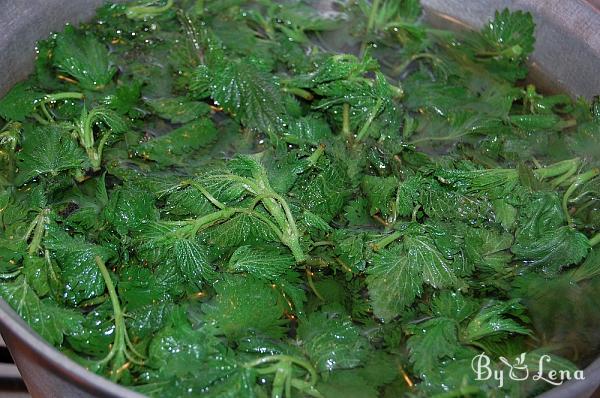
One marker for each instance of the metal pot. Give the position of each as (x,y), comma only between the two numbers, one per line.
(567,56)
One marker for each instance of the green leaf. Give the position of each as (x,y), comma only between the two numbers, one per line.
(491,320)
(350,248)
(394,281)
(242,229)
(37,272)
(396,275)
(44,316)
(169,149)
(19,102)
(542,239)
(128,208)
(263,262)
(249,94)
(244,305)
(347,384)
(488,249)
(511,33)
(380,191)
(125,98)
(453,305)
(311,129)
(192,259)
(323,193)
(177,350)
(76,258)
(83,57)
(332,342)
(434,339)
(48,151)
(178,110)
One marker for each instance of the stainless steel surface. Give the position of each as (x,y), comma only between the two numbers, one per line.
(568,49)
(46,372)
(23,22)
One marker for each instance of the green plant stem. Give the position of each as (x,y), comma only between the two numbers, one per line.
(381,244)
(370,23)
(38,229)
(313,377)
(62,96)
(374,112)
(142,12)
(206,194)
(580,180)
(346,120)
(118,313)
(118,351)
(299,92)
(595,240)
(558,169)
(402,67)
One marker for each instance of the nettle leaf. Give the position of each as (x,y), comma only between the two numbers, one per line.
(434,339)
(265,262)
(77,260)
(324,193)
(512,32)
(128,208)
(178,349)
(492,319)
(37,272)
(243,305)
(347,384)
(125,98)
(397,274)
(543,240)
(488,249)
(332,342)
(188,201)
(44,316)
(192,259)
(453,305)
(440,201)
(241,229)
(140,286)
(394,282)
(178,110)
(373,108)
(335,67)
(19,102)
(249,94)
(381,194)
(168,149)
(48,151)
(350,248)
(311,129)
(83,57)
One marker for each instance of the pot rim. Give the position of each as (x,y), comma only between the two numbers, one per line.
(55,361)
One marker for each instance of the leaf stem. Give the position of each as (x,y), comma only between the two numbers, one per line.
(595,240)
(398,70)
(579,180)
(346,120)
(374,112)
(299,92)
(206,194)
(121,342)
(62,96)
(370,23)
(147,11)
(381,244)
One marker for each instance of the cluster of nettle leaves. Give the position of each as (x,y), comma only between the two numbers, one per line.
(216,198)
